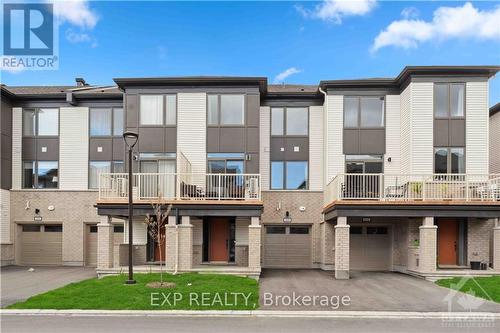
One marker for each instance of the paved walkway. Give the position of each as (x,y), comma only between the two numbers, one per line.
(367,291)
(18,283)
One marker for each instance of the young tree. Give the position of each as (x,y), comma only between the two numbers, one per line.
(156,223)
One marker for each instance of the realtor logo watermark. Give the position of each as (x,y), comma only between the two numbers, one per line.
(30,39)
(207,300)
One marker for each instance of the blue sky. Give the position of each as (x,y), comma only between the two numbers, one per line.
(314,40)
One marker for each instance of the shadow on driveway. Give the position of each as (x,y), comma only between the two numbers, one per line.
(367,291)
(19,284)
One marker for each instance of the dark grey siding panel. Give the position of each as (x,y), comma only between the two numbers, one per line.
(171,139)
(212,139)
(151,139)
(441,135)
(232,139)
(252,166)
(6,174)
(118,149)
(277,143)
(457,132)
(253,108)
(5,144)
(351,141)
(6,119)
(106,152)
(303,149)
(48,149)
(29,149)
(132,107)
(253,139)
(372,141)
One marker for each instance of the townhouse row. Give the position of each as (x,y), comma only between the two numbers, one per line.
(389,174)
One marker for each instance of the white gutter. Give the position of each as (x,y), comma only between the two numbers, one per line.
(325,137)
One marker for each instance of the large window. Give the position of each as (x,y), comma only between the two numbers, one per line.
(226,110)
(364,164)
(449,100)
(158,110)
(40,174)
(363,112)
(449,160)
(228,163)
(98,167)
(289,121)
(41,122)
(106,121)
(289,175)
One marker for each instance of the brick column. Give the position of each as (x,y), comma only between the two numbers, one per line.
(104,243)
(496,245)
(254,239)
(328,246)
(428,246)
(185,244)
(171,244)
(342,249)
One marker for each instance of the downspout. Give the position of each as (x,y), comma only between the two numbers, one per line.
(325,141)
(176,240)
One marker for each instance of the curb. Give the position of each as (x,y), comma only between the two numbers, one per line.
(255,313)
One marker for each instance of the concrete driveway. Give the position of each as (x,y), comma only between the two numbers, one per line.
(19,284)
(367,291)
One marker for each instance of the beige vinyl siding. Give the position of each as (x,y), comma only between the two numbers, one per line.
(197,231)
(495,143)
(334,120)
(265,146)
(74,148)
(405,131)
(192,129)
(5,231)
(316,148)
(476,129)
(17,143)
(422,124)
(393,134)
(241,232)
(139,232)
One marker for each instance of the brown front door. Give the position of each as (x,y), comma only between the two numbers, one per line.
(447,241)
(219,239)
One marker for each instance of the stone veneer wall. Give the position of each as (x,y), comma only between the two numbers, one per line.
(479,240)
(71,208)
(6,254)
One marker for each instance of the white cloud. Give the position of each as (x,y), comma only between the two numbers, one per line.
(76,37)
(410,12)
(335,10)
(283,75)
(75,12)
(447,22)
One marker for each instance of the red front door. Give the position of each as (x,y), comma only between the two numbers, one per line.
(447,241)
(219,239)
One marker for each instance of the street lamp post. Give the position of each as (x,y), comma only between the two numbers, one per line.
(130,139)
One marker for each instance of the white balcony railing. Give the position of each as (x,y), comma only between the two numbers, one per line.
(180,186)
(437,187)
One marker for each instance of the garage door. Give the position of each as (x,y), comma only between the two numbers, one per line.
(91,246)
(287,247)
(370,248)
(41,244)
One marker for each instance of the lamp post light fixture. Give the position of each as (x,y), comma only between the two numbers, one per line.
(130,139)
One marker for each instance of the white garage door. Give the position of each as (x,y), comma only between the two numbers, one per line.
(370,248)
(41,244)
(91,246)
(287,247)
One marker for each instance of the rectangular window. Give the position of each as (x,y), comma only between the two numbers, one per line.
(29,174)
(118,228)
(47,174)
(376,231)
(449,100)
(118,122)
(277,121)
(296,175)
(48,122)
(299,230)
(53,228)
(29,122)
(100,122)
(151,109)
(354,230)
(351,112)
(31,228)
(277,175)
(213,110)
(297,121)
(93,229)
(275,230)
(449,160)
(118,167)
(171,112)
(232,109)
(96,168)
(372,112)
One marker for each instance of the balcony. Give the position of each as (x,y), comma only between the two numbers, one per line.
(180,187)
(457,188)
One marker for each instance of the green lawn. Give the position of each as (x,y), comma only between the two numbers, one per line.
(192,292)
(484,287)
